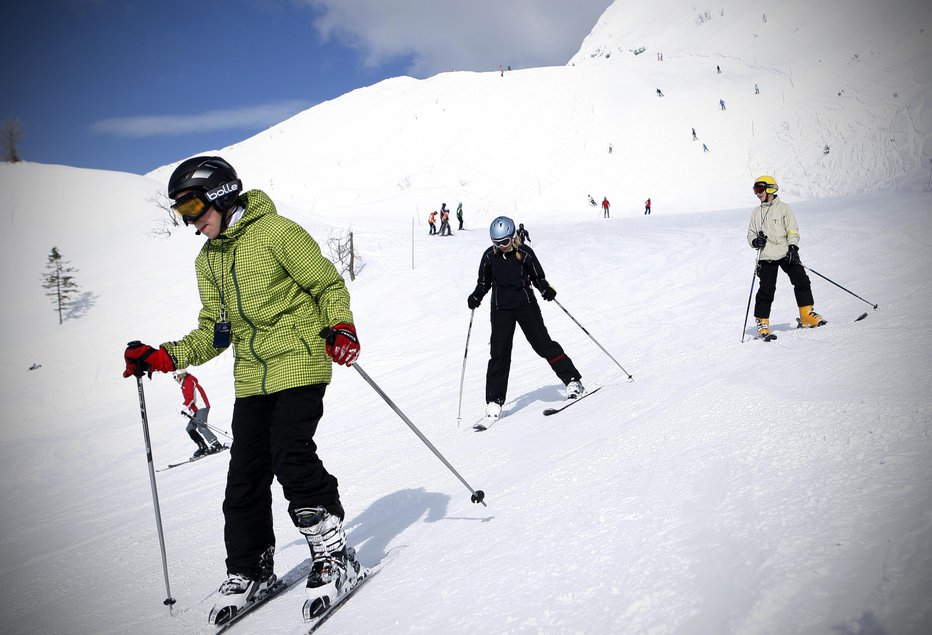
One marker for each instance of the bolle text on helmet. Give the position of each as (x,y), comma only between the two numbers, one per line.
(226,188)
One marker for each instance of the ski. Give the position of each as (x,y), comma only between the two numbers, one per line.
(191,460)
(766,338)
(570,402)
(861,317)
(290,579)
(316,622)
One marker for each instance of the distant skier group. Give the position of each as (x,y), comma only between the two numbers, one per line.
(444,220)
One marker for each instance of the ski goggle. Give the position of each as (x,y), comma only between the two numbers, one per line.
(761,187)
(501,242)
(191,206)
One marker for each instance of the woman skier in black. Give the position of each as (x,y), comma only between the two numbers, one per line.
(509,268)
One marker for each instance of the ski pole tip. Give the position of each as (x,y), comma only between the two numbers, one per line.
(478,497)
(169,601)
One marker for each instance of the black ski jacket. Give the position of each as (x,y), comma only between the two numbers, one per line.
(510,276)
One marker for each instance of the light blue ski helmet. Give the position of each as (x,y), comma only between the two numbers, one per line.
(501,228)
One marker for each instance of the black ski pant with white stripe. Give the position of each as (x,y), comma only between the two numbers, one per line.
(767,272)
(503,334)
(273,436)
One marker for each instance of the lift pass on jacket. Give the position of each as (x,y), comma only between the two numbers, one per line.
(222,331)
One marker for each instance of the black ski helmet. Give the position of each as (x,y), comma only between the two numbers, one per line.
(210,175)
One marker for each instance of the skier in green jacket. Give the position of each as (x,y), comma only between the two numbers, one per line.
(265,287)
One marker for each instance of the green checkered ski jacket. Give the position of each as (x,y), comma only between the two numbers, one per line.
(278,292)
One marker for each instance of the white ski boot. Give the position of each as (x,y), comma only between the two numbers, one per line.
(493,411)
(237,592)
(574,390)
(335,570)
(331,578)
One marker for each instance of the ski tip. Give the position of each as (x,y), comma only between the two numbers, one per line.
(861,317)
(479,428)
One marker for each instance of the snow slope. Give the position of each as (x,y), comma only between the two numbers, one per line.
(731,487)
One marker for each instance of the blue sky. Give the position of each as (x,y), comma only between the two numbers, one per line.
(131,85)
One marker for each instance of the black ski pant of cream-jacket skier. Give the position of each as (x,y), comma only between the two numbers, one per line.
(273,436)
(503,334)
(767,272)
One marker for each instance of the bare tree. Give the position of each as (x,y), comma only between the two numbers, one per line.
(11,131)
(343,253)
(168,219)
(59,283)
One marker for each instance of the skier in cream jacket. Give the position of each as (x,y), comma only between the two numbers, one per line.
(773,231)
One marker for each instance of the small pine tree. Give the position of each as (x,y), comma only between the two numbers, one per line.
(10,132)
(59,283)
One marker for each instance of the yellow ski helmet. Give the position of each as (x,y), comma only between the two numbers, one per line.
(766,183)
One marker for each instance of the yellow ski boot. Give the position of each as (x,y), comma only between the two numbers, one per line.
(763,327)
(808,318)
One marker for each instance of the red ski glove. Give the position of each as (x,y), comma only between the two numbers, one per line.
(141,358)
(342,343)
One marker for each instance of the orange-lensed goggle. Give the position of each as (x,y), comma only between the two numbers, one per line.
(191,206)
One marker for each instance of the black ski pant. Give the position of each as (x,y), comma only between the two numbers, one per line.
(273,436)
(767,272)
(503,335)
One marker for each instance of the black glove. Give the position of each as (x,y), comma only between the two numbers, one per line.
(760,241)
(473,301)
(792,255)
(548,294)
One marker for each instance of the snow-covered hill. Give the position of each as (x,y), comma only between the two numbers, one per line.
(850,76)
(731,488)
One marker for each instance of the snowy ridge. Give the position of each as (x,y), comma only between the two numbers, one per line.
(851,76)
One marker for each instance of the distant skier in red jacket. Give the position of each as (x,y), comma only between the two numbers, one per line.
(605,206)
(197,419)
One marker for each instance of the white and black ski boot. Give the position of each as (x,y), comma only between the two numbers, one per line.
(331,578)
(493,411)
(239,591)
(335,570)
(574,389)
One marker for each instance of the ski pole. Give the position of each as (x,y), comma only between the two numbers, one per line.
(141,368)
(217,430)
(840,287)
(459,411)
(753,280)
(478,496)
(593,339)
